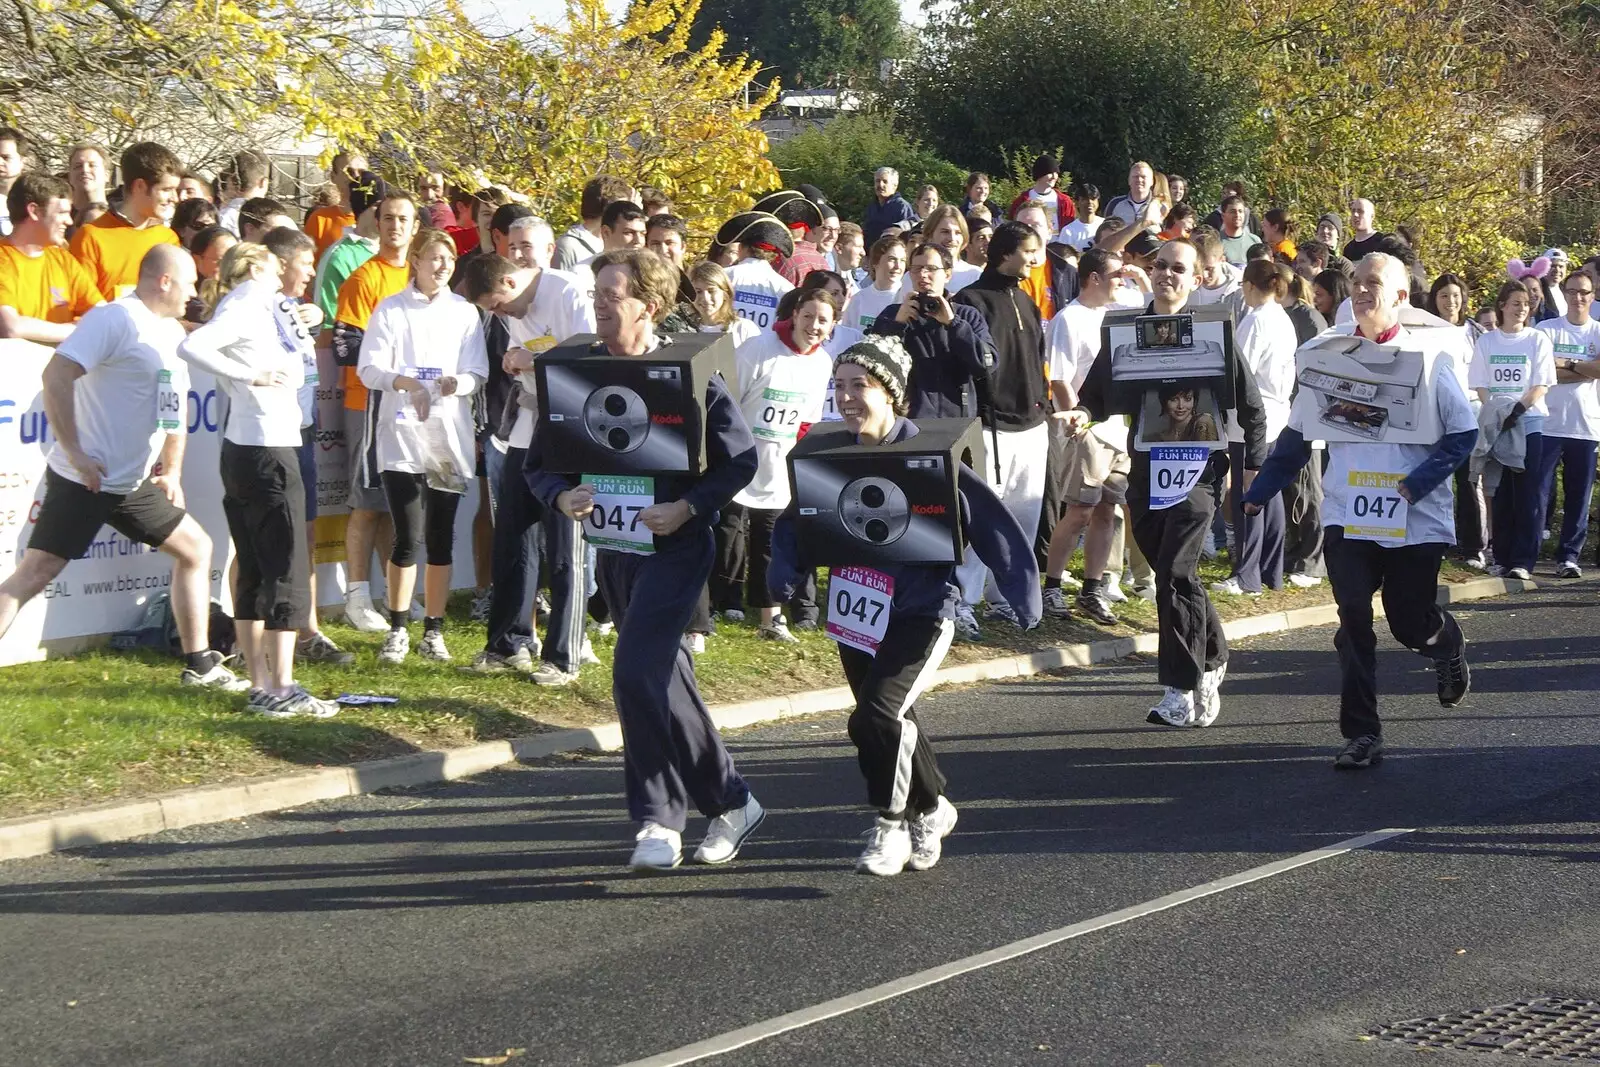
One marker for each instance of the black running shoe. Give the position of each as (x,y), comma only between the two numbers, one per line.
(1359,752)
(1455,678)
(1094,605)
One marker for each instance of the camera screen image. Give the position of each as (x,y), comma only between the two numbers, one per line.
(1364,419)
(875,510)
(1165,331)
(616,418)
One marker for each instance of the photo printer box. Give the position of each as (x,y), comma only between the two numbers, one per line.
(1193,347)
(877,505)
(643,415)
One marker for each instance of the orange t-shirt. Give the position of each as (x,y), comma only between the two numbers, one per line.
(53,286)
(326,225)
(111,249)
(359,296)
(1037,285)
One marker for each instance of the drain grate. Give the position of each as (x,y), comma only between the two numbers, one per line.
(1551,1028)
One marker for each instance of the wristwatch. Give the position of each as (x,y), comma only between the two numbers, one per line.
(693,511)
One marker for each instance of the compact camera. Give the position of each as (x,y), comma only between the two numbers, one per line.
(640,415)
(878,505)
(1140,353)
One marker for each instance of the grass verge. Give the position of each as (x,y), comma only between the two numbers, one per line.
(104,725)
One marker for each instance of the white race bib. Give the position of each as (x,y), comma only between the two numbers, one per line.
(1374,510)
(859,602)
(1174,471)
(759,308)
(405,412)
(170,407)
(830,413)
(295,338)
(778,417)
(614,523)
(1508,374)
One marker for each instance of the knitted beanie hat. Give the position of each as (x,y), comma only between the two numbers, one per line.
(885,358)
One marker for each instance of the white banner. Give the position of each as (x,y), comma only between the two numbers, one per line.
(106,590)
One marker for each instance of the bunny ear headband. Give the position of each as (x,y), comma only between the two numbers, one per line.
(1518,271)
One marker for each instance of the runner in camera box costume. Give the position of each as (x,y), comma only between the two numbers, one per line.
(1177,377)
(892,514)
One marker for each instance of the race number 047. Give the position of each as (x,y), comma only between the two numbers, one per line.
(616,518)
(1176,478)
(1377,506)
(863,609)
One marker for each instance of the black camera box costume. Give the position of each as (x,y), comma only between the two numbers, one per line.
(629,415)
(1149,353)
(882,505)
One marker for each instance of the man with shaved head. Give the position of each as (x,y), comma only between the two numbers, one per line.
(1410,485)
(115,393)
(1364,236)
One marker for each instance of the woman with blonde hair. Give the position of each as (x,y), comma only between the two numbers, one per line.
(249,344)
(423,353)
(713,299)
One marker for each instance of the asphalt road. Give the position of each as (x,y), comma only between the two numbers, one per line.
(426,927)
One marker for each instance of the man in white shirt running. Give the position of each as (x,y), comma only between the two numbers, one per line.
(1410,486)
(116,394)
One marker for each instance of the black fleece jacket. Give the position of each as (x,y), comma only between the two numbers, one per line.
(1017,386)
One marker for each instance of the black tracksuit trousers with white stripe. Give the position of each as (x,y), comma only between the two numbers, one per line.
(902,774)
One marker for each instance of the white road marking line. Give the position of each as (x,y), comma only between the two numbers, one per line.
(899,987)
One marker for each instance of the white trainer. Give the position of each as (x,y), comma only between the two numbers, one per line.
(433,647)
(395,647)
(729,831)
(657,849)
(1210,696)
(360,613)
(215,676)
(967,622)
(586,656)
(697,644)
(928,832)
(1176,709)
(1304,581)
(1230,587)
(888,848)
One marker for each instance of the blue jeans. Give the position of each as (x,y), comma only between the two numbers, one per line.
(1576,458)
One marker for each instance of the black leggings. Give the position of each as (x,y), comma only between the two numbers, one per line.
(409,497)
(265,504)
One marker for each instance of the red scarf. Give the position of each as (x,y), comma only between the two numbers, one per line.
(1384,338)
(784,328)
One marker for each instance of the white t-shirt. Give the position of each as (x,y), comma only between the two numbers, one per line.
(425,339)
(1079,233)
(1071,345)
(125,350)
(863,308)
(238,345)
(1050,201)
(757,288)
(778,389)
(228,215)
(1574,409)
(1232,277)
(1509,364)
(1429,520)
(559,310)
(1265,343)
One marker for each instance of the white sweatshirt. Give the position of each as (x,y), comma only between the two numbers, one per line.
(240,343)
(425,339)
(779,390)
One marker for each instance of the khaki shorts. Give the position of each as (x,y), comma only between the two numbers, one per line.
(1094,472)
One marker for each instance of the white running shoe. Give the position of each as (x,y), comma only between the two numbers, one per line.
(777,630)
(1145,591)
(215,676)
(1304,581)
(729,831)
(928,832)
(549,674)
(697,644)
(1210,696)
(1001,610)
(1176,709)
(658,849)
(433,647)
(487,662)
(1519,573)
(888,848)
(1230,587)
(1569,569)
(967,623)
(1055,604)
(359,613)
(300,704)
(1112,589)
(395,647)
(586,656)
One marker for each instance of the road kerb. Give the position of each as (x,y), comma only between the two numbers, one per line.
(41,834)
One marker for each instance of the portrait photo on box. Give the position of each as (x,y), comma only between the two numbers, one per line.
(1180,413)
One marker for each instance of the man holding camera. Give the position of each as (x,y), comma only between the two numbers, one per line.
(949,343)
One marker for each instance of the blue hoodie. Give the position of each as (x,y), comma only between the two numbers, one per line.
(930,588)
